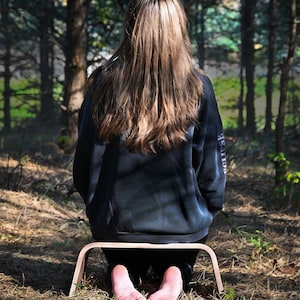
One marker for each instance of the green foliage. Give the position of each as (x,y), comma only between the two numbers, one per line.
(223,28)
(285,177)
(58,92)
(231,294)
(227,93)
(64,141)
(281,165)
(24,101)
(227,90)
(105,25)
(260,245)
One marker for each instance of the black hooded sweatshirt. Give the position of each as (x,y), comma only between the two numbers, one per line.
(164,197)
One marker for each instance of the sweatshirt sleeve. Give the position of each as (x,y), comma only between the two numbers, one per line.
(209,157)
(83,152)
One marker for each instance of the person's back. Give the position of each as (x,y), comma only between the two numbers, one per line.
(150,159)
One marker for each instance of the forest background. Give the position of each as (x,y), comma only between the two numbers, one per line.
(249,50)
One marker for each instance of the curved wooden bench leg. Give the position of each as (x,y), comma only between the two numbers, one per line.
(82,257)
(79,268)
(215,265)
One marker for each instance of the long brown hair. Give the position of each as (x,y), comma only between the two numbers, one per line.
(149,92)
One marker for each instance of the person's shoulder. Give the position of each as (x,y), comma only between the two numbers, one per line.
(208,95)
(94,79)
(100,72)
(203,77)
(97,73)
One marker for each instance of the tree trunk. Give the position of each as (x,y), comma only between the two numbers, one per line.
(240,103)
(75,71)
(269,84)
(284,79)
(241,100)
(46,67)
(200,22)
(196,12)
(7,62)
(247,25)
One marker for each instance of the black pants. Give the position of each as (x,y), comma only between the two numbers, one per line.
(138,261)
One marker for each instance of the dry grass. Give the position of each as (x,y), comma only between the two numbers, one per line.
(43,227)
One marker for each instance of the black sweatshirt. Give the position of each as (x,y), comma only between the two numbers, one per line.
(170,196)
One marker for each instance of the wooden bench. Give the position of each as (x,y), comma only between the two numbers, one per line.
(82,257)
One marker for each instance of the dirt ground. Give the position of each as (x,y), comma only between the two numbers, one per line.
(43,227)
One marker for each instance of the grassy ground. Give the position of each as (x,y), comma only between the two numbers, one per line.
(43,227)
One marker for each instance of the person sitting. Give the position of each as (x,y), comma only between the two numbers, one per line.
(150,159)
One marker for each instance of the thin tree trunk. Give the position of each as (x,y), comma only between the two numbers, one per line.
(284,80)
(46,69)
(248,8)
(241,99)
(269,84)
(201,38)
(75,73)
(7,62)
